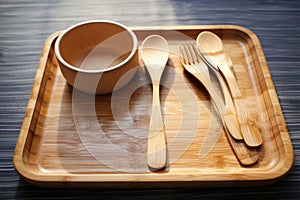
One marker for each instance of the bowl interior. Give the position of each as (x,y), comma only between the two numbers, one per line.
(96,45)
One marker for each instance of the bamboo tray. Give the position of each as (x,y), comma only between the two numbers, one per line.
(57,148)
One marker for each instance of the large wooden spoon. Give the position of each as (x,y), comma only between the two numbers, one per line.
(155,54)
(212,47)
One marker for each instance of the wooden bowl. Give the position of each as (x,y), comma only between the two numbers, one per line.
(97,57)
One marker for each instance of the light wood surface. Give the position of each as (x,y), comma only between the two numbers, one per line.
(192,62)
(155,54)
(212,46)
(25,25)
(195,65)
(97,48)
(49,151)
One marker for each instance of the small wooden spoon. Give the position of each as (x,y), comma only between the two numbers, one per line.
(155,54)
(211,46)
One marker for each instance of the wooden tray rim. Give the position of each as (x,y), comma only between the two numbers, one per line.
(275,173)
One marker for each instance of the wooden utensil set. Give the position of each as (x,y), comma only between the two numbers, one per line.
(200,59)
(199,141)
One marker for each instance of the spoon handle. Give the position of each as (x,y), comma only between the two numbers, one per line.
(227,112)
(156,151)
(249,129)
(245,155)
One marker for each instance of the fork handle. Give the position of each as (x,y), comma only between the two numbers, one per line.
(226,112)
(245,155)
(208,85)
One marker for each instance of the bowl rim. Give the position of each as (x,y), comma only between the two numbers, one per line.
(128,58)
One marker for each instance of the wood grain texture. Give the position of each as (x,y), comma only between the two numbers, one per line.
(155,55)
(212,46)
(26,24)
(197,66)
(199,70)
(53,129)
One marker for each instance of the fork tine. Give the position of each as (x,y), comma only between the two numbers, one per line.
(188,54)
(183,55)
(197,52)
(187,51)
(192,53)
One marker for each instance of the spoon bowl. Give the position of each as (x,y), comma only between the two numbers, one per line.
(151,47)
(209,42)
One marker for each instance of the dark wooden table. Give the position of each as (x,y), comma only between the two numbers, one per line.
(25,25)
